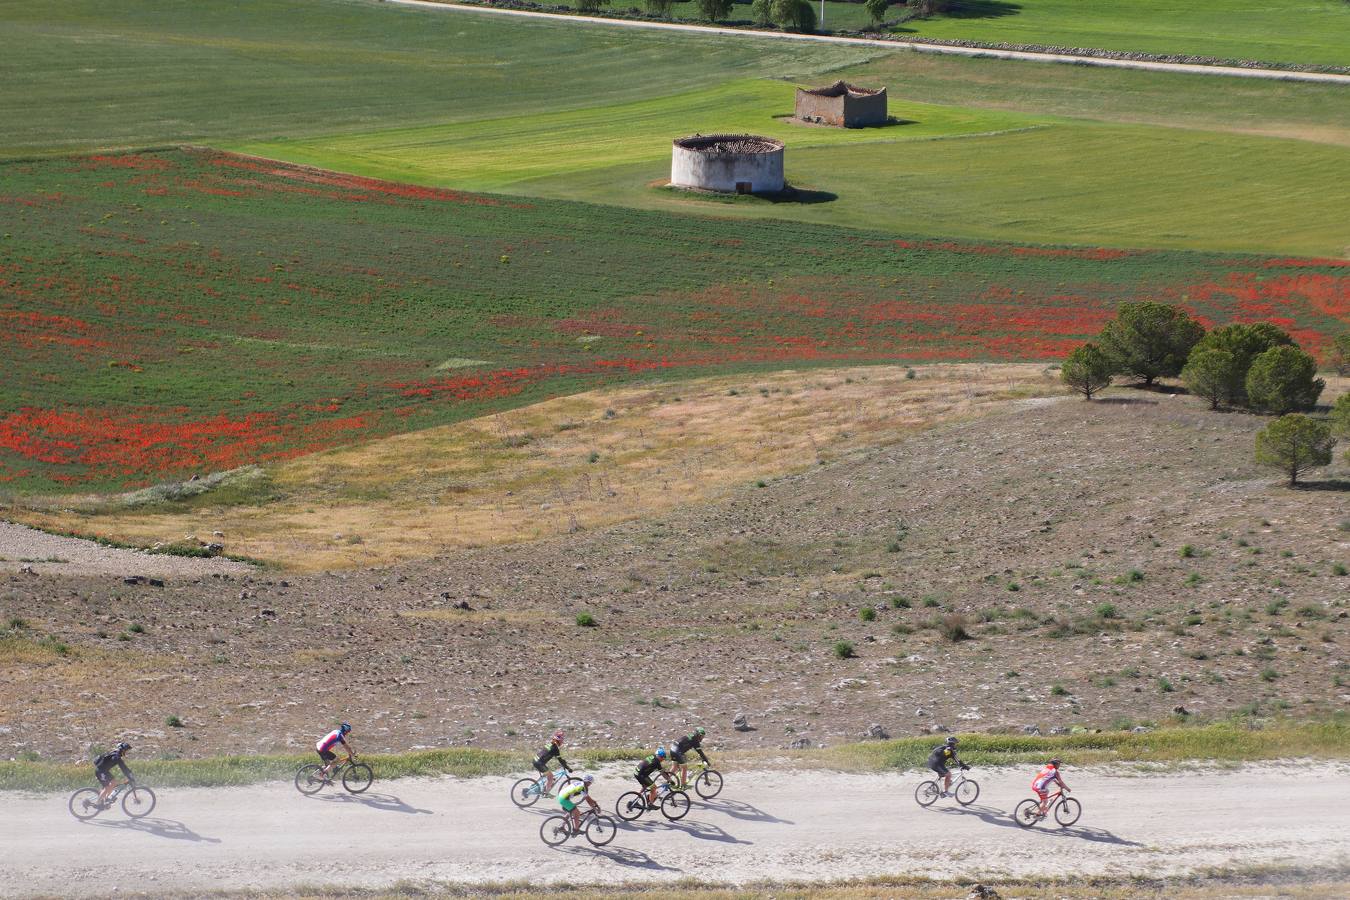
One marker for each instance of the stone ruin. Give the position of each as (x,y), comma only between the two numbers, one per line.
(842,105)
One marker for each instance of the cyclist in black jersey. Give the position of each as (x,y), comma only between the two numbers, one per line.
(652,765)
(691,741)
(550,751)
(104,765)
(938,759)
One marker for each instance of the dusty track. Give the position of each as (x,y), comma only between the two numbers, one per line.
(941,49)
(808,826)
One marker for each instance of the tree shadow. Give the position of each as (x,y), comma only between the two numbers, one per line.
(738,809)
(623,856)
(981,9)
(1125,401)
(168,829)
(1331,484)
(385,802)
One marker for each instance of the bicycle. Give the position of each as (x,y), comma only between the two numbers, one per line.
(964,789)
(674,804)
(598,828)
(707,783)
(527,791)
(355,776)
(136,803)
(1066,810)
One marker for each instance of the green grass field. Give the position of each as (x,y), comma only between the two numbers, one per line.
(1312,31)
(84,74)
(1217,742)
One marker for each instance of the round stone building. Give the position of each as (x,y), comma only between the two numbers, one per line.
(729,163)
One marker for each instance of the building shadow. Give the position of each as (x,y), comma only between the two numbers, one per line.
(622,856)
(169,829)
(801,196)
(384,802)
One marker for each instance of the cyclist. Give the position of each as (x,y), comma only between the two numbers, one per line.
(551,751)
(572,794)
(941,755)
(691,741)
(652,765)
(103,767)
(328,742)
(1048,775)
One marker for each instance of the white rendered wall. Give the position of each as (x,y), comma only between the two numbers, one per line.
(723,171)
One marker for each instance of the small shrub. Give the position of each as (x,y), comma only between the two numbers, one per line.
(137,628)
(1187,551)
(1108,611)
(1309,611)
(910,374)
(586,620)
(900,602)
(844,650)
(1338,569)
(1014,586)
(1165,686)
(1059,690)
(593,457)
(1269,674)
(931,602)
(1273,607)
(173,722)
(1134,575)
(867,614)
(1195,579)
(902,628)
(953,627)
(1192,620)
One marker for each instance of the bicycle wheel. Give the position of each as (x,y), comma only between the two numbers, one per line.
(708,784)
(675,805)
(1067,811)
(600,830)
(966,792)
(1028,813)
(138,801)
(525,792)
(357,777)
(630,806)
(84,804)
(926,793)
(308,780)
(555,830)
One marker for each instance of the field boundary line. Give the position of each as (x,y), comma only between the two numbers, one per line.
(901,44)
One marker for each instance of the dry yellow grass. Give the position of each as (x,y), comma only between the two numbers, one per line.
(573,463)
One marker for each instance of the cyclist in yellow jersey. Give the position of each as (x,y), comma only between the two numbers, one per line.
(570,797)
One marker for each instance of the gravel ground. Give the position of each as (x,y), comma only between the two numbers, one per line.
(28,550)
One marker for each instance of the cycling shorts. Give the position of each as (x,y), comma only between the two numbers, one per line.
(676,757)
(104,776)
(939,768)
(567,804)
(327,755)
(541,768)
(644,780)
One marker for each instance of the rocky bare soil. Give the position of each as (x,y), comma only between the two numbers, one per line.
(1111,563)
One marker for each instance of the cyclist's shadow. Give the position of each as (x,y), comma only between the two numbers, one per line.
(705,831)
(633,859)
(999,817)
(385,802)
(738,809)
(162,828)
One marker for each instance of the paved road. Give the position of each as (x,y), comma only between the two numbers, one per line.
(813,825)
(1190,68)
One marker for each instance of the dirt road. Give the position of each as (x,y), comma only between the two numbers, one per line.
(942,49)
(804,826)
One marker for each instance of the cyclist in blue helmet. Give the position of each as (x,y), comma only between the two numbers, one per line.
(330,740)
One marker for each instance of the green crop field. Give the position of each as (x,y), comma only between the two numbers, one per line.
(175,312)
(1312,31)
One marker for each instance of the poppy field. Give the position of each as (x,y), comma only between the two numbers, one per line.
(179,312)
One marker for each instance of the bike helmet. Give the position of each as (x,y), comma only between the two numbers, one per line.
(558,736)
(952,741)
(123,747)
(344,728)
(1055,762)
(660,752)
(587,779)
(700,731)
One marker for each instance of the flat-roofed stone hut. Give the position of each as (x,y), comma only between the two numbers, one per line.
(843,105)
